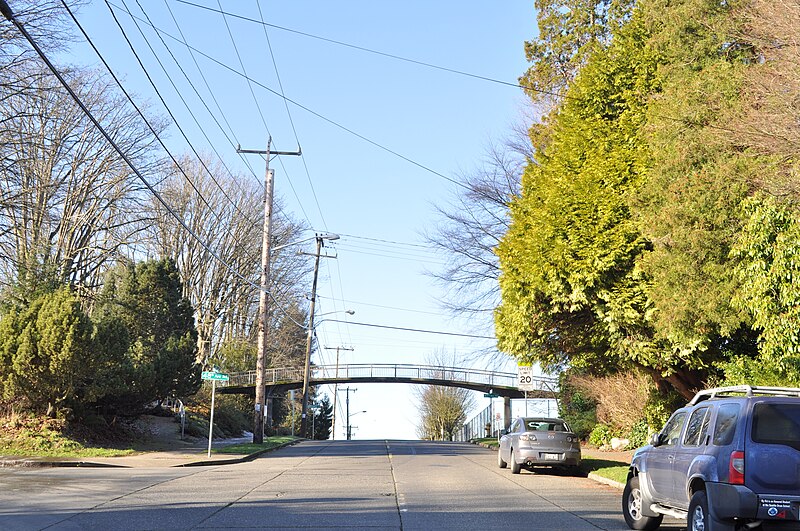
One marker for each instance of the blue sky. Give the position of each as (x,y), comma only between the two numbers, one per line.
(379,202)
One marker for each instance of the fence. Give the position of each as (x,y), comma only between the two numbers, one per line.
(476,428)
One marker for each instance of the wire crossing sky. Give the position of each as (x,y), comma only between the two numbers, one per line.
(385,138)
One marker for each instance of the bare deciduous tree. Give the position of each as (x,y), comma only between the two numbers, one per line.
(771,105)
(443,410)
(69,202)
(224,214)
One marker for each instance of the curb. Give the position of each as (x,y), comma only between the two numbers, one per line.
(29,463)
(32,463)
(610,482)
(236,460)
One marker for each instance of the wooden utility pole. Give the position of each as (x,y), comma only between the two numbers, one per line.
(310,338)
(263,296)
(336,388)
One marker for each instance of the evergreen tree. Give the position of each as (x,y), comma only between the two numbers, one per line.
(148,300)
(46,353)
(323,419)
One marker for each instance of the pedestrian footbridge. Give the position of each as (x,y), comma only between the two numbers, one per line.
(503,384)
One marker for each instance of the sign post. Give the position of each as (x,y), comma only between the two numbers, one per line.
(525,382)
(214,376)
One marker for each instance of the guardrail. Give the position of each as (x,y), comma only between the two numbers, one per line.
(389,371)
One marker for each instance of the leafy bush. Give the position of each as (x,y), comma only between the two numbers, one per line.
(638,434)
(659,408)
(231,421)
(601,435)
(576,407)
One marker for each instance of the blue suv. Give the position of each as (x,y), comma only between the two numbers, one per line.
(729,460)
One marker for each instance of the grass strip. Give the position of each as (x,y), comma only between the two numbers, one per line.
(250,448)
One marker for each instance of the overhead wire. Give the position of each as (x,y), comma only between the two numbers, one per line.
(311,111)
(169,111)
(208,88)
(8,13)
(141,114)
(289,114)
(183,100)
(377,52)
(260,112)
(418,330)
(388,307)
(163,202)
(468,74)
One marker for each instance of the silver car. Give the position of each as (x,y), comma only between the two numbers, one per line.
(534,441)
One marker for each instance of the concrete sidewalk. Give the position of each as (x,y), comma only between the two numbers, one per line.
(192,456)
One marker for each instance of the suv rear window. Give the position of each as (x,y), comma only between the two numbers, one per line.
(775,423)
(725,426)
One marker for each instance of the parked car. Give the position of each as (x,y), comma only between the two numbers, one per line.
(729,460)
(534,441)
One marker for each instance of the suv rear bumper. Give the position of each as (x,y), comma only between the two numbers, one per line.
(729,501)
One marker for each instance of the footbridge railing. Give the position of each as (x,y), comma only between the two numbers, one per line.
(502,383)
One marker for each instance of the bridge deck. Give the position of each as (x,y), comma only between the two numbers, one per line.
(501,383)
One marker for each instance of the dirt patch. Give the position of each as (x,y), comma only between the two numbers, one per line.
(163,433)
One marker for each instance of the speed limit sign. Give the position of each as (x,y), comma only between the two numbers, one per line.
(525,378)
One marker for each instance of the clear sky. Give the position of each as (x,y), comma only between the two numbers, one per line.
(378,202)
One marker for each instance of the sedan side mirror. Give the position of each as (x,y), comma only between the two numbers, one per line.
(655,439)
(504,432)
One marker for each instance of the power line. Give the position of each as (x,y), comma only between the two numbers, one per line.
(6,11)
(289,114)
(377,52)
(307,109)
(145,120)
(385,241)
(208,87)
(381,306)
(410,329)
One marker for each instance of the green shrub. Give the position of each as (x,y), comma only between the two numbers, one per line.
(601,435)
(660,407)
(577,408)
(231,421)
(638,434)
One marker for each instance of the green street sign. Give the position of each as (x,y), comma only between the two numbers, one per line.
(491,395)
(213,375)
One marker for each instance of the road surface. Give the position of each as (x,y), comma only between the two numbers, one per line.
(399,485)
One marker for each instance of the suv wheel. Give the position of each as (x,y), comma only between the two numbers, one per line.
(632,503)
(699,519)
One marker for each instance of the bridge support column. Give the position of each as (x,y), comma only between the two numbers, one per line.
(506,411)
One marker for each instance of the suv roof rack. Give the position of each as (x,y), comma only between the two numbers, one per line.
(748,390)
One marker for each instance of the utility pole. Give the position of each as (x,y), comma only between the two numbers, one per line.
(263,301)
(347,391)
(336,389)
(307,373)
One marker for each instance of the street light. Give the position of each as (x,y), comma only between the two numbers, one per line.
(307,373)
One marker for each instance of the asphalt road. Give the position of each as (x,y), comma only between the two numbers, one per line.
(402,485)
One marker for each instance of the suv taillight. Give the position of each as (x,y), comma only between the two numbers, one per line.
(736,468)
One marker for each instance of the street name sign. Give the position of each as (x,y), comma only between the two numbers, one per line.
(213,375)
(490,395)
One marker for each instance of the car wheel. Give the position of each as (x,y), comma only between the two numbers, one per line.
(515,467)
(500,462)
(632,503)
(699,519)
